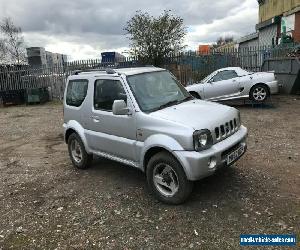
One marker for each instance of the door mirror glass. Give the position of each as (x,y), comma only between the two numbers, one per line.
(120,108)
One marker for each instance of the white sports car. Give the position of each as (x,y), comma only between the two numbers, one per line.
(235,83)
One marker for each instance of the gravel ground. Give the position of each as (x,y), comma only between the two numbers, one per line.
(46,204)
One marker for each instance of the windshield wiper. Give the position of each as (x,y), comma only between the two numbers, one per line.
(188,98)
(168,104)
(171,103)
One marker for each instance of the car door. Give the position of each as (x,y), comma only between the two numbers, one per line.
(222,85)
(108,133)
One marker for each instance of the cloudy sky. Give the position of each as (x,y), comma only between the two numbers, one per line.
(82,29)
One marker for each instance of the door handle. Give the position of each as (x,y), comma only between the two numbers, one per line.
(95,118)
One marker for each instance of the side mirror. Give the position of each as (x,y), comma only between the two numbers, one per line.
(120,108)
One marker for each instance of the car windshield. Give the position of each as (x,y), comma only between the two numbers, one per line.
(157,90)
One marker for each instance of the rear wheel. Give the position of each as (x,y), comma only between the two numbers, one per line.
(259,93)
(167,180)
(79,157)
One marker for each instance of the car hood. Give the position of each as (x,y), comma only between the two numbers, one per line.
(198,114)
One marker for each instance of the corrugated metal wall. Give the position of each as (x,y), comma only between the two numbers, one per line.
(267,34)
(251,43)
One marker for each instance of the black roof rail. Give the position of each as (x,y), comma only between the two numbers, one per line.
(75,72)
(109,70)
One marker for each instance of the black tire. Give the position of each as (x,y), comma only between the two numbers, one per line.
(86,158)
(196,95)
(259,98)
(185,186)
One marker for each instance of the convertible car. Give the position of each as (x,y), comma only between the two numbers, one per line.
(235,83)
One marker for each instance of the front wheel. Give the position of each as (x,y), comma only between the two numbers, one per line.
(167,180)
(259,93)
(80,158)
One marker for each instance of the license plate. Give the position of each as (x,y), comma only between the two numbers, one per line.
(235,154)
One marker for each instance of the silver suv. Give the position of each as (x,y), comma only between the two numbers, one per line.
(143,117)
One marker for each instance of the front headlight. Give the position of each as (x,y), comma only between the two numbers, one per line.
(202,139)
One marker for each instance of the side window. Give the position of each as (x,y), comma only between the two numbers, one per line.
(229,74)
(225,75)
(218,77)
(76,92)
(106,92)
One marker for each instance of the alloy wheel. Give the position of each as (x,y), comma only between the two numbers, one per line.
(165,179)
(259,94)
(76,151)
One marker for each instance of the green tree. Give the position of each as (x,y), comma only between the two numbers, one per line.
(152,39)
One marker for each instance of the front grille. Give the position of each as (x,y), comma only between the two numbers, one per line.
(225,130)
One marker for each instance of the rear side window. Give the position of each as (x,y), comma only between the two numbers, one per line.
(76,92)
(229,74)
(106,92)
(225,75)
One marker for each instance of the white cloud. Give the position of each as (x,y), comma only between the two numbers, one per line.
(84,29)
(75,47)
(240,21)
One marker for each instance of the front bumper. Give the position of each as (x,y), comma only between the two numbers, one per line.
(198,165)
